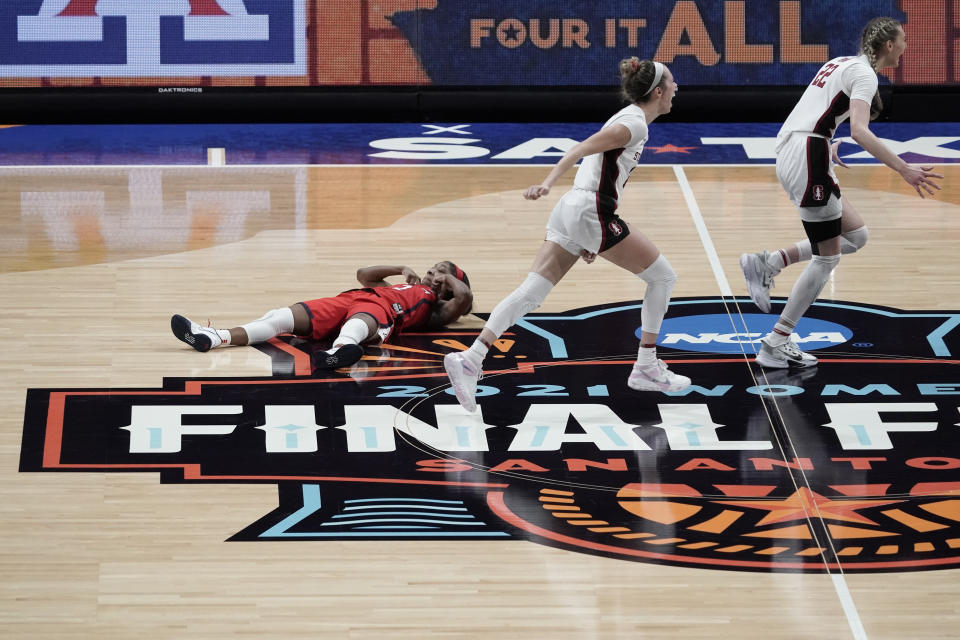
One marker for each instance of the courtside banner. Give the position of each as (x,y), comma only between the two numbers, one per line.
(569,42)
(529,43)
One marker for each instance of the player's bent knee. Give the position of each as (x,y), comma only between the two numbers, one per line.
(524,299)
(854,240)
(660,272)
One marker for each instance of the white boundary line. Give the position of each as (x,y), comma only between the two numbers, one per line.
(839,581)
(705,239)
(849,608)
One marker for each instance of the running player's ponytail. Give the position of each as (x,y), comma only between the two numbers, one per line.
(637,78)
(878,32)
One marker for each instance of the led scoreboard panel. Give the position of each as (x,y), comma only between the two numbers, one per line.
(454,43)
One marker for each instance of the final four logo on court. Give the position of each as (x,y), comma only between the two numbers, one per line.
(854,463)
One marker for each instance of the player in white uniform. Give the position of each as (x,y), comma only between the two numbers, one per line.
(584,223)
(843,88)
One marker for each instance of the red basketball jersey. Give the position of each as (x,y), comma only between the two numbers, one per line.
(410,305)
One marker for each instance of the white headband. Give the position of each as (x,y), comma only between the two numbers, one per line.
(657,76)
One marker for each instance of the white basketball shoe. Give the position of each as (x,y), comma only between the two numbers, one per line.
(656,377)
(463,376)
(759,276)
(781,356)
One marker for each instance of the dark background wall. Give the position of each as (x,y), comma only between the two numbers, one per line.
(405,104)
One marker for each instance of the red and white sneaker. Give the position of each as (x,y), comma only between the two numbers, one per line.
(656,377)
(463,377)
(200,338)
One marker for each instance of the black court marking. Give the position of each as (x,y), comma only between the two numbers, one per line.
(851,465)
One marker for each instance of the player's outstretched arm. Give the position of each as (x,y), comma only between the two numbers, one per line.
(375,276)
(916,177)
(612,137)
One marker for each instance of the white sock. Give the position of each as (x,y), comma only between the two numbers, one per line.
(476,353)
(779,259)
(781,332)
(646,356)
(353,331)
(224,335)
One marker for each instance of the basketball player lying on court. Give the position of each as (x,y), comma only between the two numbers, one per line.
(370,314)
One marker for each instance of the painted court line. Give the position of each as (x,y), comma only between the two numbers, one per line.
(711,251)
(838,579)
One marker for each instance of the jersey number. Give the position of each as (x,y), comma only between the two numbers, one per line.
(825,72)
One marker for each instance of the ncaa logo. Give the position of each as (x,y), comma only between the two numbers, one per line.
(714,333)
(163,37)
(818,192)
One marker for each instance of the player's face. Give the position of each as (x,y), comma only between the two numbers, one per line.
(894,49)
(428,279)
(669,90)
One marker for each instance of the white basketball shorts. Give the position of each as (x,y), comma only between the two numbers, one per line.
(806,174)
(576,223)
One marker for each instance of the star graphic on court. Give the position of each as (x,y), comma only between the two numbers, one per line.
(805,503)
(671,148)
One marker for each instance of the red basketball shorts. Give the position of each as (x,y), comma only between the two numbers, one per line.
(327,315)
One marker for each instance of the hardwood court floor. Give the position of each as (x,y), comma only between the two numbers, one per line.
(94,261)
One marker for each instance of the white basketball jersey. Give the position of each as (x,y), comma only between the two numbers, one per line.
(606,173)
(826,102)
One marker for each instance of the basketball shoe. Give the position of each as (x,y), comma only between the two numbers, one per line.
(463,376)
(656,377)
(759,276)
(781,356)
(200,338)
(347,355)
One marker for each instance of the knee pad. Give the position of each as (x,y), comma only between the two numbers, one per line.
(660,278)
(820,268)
(853,240)
(524,299)
(825,264)
(808,286)
(661,271)
(272,324)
